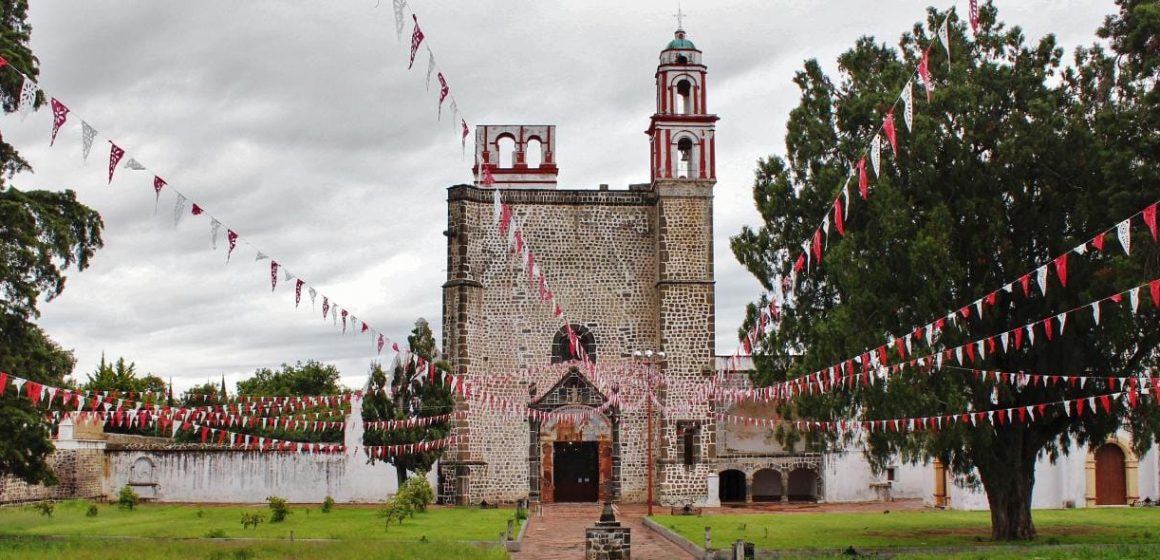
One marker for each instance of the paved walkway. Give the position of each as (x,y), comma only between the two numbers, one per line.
(559,534)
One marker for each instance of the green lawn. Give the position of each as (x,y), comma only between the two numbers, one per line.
(12,548)
(439,524)
(929,528)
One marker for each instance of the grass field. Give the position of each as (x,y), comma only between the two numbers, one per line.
(916,529)
(438,524)
(12,548)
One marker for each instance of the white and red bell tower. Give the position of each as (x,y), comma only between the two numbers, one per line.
(681,132)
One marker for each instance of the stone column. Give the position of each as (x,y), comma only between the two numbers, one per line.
(534,468)
(784,486)
(749,488)
(615,456)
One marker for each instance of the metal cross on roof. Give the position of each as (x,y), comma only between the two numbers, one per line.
(680,17)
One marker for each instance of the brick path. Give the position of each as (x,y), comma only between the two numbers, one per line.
(559,534)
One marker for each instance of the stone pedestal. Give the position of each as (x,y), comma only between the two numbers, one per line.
(712,491)
(608,540)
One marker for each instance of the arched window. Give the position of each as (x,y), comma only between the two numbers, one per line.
(534,153)
(567,347)
(507,150)
(684,97)
(684,158)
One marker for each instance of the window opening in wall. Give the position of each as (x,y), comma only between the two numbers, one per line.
(564,351)
(685,158)
(507,152)
(684,97)
(534,153)
(688,431)
(682,59)
(890,473)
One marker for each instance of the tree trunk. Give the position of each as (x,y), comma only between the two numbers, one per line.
(401,473)
(1008,478)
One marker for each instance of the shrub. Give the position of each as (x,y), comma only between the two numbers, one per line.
(127,499)
(215,534)
(395,509)
(252,520)
(327,504)
(418,492)
(45,508)
(278,509)
(92,511)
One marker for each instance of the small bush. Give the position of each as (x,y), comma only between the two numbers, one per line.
(395,509)
(418,492)
(127,499)
(278,509)
(215,534)
(92,511)
(252,520)
(327,504)
(45,508)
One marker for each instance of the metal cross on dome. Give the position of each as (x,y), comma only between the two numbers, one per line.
(680,17)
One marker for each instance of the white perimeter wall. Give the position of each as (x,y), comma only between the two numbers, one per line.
(849,479)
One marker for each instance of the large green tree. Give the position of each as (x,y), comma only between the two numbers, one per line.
(409,393)
(41,235)
(122,377)
(1015,159)
(310,378)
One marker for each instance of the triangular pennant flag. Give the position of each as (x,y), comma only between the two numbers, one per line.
(232,239)
(1096,312)
(59,116)
(214,227)
(416,40)
(134,165)
(1134,298)
(27,99)
(888,128)
(398,7)
(863,180)
(88,134)
(1150,220)
(944,38)
(1061,269)
(430,67)
(115,155)
(908,105)
(1124,233)
(974,14)
(1041,278)
(924,73)
(876,155)
(178,209)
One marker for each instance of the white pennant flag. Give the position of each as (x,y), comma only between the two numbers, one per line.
(178,209)
(1081,249)
(1124,233)
(908,105)
(399,5)
(214,227)
(944,38)
(876,153)
(1096,312)
(1062,321)
(1031,334)
(1003,340)
(27,98)
(88,134)
(430,67)
(982,349)
(286,276)
(979,307)
(260,256)
(134,165)
(1041,278)
(846,196)
(1134,298)
(959,355)
(313,294)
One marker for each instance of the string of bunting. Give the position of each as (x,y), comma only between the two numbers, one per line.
(876,365)
(419,40)
(1041,273)
(384,451)
(184,205)
(1092,405)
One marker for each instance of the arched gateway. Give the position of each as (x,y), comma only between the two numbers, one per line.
(574,447)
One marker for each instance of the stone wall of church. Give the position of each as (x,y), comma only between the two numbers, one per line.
(598,251)
(79,474)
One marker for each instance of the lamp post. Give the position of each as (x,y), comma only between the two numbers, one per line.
(650,359)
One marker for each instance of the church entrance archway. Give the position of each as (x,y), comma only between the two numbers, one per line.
(731,486)
(574,441)
(1111,482)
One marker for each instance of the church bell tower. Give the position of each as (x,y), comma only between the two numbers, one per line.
(682,130)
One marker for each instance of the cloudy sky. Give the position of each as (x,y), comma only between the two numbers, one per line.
(297,124)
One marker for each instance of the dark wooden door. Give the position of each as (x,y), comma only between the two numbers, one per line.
(1111,483)
(575,476)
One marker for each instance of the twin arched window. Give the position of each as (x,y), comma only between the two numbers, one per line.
(564,350)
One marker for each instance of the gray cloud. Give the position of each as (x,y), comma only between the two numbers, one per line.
(298,124)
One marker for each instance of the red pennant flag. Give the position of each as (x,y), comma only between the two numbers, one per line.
(115,155)
(273,274)
(1025,281)
(883,358)
(364,327)
(1079,407)
(1002,416)
(233,239)
(1106,402)
(1018,338)
(924,73)
(1048,328)
(59,116)
(818,246)
(971,352)
(863,179)
(1098,241)
(1154,287)
(1150,219)
(838,223)
(1061,269)
(1041,408)
(505,219)
(3,62)
(443,90)
(974,14)
(195,209)
(463,138)
(416,40)
(800,263)
(900,346)
(888,127)
(298,291)
(965,312)
(3,375)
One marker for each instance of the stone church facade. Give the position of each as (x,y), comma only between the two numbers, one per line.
(633,270)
